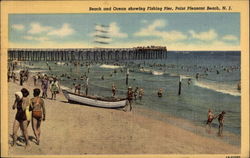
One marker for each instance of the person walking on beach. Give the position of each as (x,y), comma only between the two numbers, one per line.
(38,113)
(54,88)
(21,120)
(14,77)
(44,86)
(210,117)
(35,78)
(21,75)
(221,122)
(113,90)
(26,103)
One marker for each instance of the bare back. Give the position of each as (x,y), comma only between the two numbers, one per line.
(38,104)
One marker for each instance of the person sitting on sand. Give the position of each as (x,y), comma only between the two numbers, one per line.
(221,122)
(54,88)
(21,117)
(38,113)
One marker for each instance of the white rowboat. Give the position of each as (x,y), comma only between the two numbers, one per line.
(95,101)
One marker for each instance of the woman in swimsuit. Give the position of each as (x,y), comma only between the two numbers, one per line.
(210,117)
(21,117)
(38,113)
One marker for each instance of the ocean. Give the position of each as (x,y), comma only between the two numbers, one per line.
(215,88)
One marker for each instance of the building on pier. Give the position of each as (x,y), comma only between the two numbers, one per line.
(87,54)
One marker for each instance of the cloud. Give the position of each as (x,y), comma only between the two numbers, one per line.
(37,28)
(35,38)
(229,38)
(65,30)
(114,31)
(205,36)
(152,30)
(18,27)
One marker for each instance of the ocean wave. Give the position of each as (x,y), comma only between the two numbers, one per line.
(157,73)
(110,66)
(218,87)
(145,70)
(60,63)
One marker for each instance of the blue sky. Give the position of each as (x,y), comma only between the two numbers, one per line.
(177,31)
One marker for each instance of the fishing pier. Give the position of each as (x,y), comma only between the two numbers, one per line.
(87,54)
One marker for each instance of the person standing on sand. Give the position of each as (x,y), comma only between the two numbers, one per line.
(130,98)
(210,117)
(54,88)
(35,77)
(221,122)
(21,77)
(21,117)
(38,113)
(44,86)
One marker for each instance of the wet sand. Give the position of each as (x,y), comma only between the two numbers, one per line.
(72,129)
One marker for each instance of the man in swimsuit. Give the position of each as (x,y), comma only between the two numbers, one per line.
(38,113)
(130,97)
(221,122)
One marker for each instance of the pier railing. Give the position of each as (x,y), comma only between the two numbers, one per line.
(87,54)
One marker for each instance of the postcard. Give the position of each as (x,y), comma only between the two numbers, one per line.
(125,78)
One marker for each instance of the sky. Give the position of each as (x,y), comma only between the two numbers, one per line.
(176,31)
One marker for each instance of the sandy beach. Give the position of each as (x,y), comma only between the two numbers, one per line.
(72,129)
